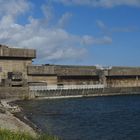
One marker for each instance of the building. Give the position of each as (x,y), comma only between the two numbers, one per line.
(13,65)
(16,69)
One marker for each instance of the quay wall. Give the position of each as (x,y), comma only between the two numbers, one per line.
(14,92)
(85,92)
(25,93)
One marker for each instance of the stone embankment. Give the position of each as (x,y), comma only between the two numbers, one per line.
(10,122)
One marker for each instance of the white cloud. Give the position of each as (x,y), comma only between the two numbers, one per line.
(13,7)
(100,3)
(52,43)
(108,30)
(100,24)
(64,19)
(125,29)
(89,40)
(48,11)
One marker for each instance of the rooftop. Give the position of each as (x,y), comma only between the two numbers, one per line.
(6,52)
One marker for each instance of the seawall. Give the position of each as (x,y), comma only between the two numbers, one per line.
(85,92)
(14,92)
(25,93)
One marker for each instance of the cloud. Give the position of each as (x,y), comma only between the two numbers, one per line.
(13,7)
(48,11)
(125,29)
(53,43)
(100,24)
(64,19)
(103,27)
(109,30)
(89,40)
(100,3)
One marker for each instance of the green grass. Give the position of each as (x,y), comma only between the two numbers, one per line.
(9,135)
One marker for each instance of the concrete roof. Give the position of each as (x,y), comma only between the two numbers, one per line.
(6,52)
(62,70)
(68,70)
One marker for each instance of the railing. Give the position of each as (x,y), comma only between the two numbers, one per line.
(64,87)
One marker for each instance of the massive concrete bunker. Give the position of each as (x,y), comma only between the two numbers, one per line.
(16,69)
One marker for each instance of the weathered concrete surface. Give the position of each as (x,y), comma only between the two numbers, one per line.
(124,71)
(115,77)
(57,74)
(14,92)
(20,60)
(49,80)
(123,81)
(15,60)
(41,70)
(76,70)
(78,80)
(85,93)
(6,52)
(14,66)
(63,70)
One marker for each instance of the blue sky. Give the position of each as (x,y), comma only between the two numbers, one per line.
(76,32)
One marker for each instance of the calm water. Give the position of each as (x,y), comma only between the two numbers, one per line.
(98,118)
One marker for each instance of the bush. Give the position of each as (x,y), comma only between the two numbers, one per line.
(9,135)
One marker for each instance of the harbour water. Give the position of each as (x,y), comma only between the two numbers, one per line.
(97,118)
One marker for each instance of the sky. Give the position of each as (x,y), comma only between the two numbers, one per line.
(74,32)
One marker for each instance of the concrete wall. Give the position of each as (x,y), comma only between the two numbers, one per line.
(14,65)
(76,70)
(5,52)
(124,71)
(41,70)
(68,75)
(123,77)
(14,92)
(78,80)
(123,82)
(56,74)
(62,70)
(49,80)
(20,60)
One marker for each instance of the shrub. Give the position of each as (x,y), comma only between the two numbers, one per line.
(9,135)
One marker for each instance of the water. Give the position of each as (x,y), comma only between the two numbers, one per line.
(98,118)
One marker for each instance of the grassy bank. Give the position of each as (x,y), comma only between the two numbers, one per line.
(9,135)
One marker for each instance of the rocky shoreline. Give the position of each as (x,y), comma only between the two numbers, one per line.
(12,118)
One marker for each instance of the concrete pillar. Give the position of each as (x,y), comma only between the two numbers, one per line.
(102,78)
(137,81)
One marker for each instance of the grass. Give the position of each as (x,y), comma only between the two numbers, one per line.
(9,135)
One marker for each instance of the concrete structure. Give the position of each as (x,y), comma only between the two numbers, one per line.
(85,75)
(56,74)
(16,69)
(13,65)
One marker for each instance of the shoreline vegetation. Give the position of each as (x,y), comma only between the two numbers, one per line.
(14,126)
(11,135)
